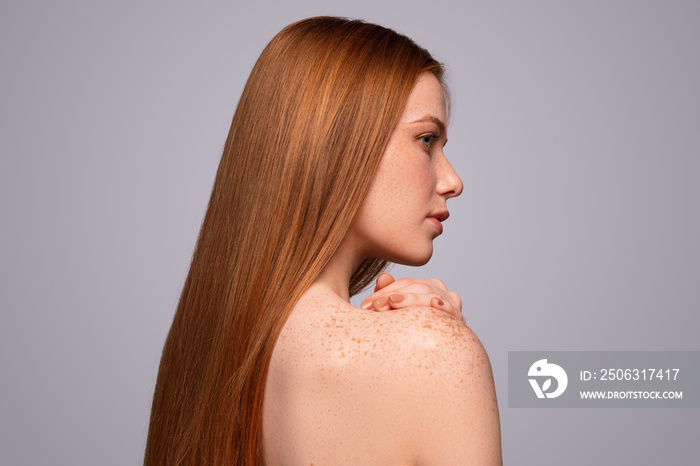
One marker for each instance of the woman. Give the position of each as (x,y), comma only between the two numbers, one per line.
(333,166)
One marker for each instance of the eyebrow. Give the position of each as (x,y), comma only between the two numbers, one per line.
(429,118)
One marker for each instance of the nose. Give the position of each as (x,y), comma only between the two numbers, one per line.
(449,183)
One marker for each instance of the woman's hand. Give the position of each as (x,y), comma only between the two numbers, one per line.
(398,294)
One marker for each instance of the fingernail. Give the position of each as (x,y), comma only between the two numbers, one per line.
(440,302)
(366,305)
(380,302)
(395,299)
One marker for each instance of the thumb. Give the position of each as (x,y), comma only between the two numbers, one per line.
(383,281)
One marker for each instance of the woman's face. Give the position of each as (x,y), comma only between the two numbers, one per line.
(406,203)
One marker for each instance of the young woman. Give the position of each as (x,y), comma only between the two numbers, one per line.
(334,165)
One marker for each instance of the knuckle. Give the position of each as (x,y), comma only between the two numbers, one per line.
(437,283)
(404,281)
(423,288)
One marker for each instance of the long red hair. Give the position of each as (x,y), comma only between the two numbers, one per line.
(308,133)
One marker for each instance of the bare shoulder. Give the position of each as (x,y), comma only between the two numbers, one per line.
(445,376)
(401,387)
(436,337)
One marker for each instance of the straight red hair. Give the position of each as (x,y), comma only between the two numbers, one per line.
(310,128)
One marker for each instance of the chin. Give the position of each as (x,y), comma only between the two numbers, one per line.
(415,259)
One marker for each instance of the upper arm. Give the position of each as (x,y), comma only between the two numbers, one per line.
(448,397)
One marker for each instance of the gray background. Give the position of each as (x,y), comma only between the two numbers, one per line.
(575,130)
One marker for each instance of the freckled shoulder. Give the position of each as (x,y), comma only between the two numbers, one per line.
(440,380)
(432,336)
(348,386)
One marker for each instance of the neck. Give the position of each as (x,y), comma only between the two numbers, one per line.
(335,277)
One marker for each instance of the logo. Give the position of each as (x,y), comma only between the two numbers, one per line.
(542,369)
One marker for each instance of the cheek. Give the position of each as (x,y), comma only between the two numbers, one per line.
(389,204)
(403,184)
(397,191)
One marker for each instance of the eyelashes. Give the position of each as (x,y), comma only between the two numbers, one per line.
(429,139)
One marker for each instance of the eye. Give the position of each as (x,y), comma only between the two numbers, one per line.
(428,139)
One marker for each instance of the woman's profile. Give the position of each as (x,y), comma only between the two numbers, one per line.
(333,166)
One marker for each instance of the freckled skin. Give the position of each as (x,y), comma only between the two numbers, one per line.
(336,366)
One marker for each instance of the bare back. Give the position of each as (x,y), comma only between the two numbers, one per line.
(349,386)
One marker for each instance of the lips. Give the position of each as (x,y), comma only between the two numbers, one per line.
(440,216)
(437,219)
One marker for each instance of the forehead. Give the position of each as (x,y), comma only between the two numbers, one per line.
(426,99)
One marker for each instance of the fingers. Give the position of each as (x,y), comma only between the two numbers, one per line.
(380,304)
(398,294)
(392,301)
(404,300)
(445,306)
(404,285)
(455,300)
(414,287)
(401,301)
